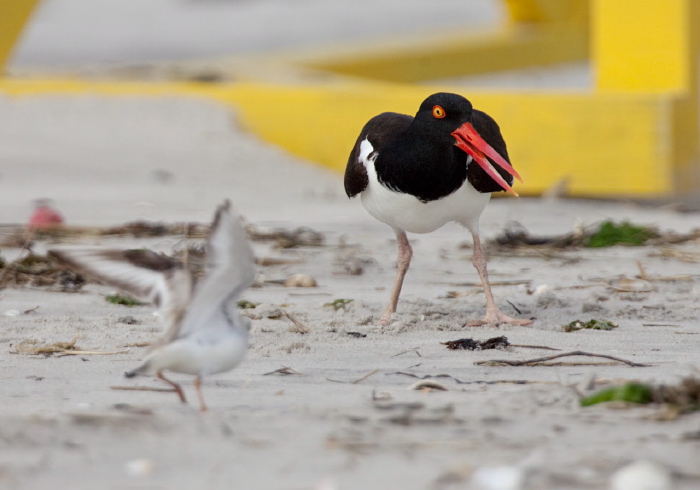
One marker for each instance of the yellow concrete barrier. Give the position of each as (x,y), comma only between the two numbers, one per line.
(539,32)
(586,139)
(653,48)
(598,151)
(13,16)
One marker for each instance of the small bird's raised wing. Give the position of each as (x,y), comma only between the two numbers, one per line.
(146,275)
(230,271)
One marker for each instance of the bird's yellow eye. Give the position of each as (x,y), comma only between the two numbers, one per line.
(438,112)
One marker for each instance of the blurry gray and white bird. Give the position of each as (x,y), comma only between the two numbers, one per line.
(204,333)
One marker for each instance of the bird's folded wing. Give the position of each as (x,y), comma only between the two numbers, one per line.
(230,271)
(379,131)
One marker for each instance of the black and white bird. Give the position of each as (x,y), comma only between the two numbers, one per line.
(204,332)
(418,173)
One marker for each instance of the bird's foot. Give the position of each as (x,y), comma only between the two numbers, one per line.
(386,318)
(180,393)
(176,387)
(496,317)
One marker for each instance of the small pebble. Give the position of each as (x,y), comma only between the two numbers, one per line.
(498,478)
(300,281)
(642,475)
(139,467)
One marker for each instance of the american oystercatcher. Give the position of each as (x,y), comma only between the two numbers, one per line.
(418,173)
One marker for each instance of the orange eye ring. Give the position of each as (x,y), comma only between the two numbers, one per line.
(438,112)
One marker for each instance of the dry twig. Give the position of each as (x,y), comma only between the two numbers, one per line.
(526,346)
(298,327)
(143,388)
(540,360)
(358,380)
(284,370)
(481,382)
(90,353)
(407,351)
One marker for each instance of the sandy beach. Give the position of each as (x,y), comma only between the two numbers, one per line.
(331,408)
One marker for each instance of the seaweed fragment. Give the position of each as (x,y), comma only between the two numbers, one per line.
(338,304)
(683,397)
(591,324)
(610,233)
(120,299)
(630,392)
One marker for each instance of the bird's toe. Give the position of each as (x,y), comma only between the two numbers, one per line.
(495,318)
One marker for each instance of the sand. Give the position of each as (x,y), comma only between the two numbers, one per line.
(344,417)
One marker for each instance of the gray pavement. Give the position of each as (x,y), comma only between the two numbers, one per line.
(75,33)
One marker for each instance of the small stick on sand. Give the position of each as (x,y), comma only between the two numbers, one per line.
(143,388)
(526,346)
(517,310)
(642,271)
(283,370)
(475,382)
(90,353)
(539,360)
(299,327)
(407,351)
(514,282)
(358,380)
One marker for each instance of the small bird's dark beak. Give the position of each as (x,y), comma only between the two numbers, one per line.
(470,142)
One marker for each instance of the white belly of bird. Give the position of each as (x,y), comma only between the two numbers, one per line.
(405,212)
(200,356)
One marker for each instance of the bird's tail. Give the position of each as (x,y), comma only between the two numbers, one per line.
(139,370)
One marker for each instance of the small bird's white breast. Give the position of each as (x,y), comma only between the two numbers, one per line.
(406,212)
(200,355)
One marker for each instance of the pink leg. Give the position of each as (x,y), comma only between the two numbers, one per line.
(198,387)
(404,260)
(177,387)
(494,316)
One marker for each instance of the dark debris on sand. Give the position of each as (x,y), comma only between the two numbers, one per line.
(471,344)
(34,270)
(605,234)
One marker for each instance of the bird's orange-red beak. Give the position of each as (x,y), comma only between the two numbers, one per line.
(469,141)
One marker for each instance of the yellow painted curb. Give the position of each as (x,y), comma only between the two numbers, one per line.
(13,16)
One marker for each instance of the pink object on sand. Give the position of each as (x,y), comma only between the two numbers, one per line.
(45,216)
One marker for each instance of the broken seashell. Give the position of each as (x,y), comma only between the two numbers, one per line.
(428,385)
(625,284)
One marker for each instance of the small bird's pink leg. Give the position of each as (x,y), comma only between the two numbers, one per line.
(198,387)
(177,387)
(494,316)
(404,260)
